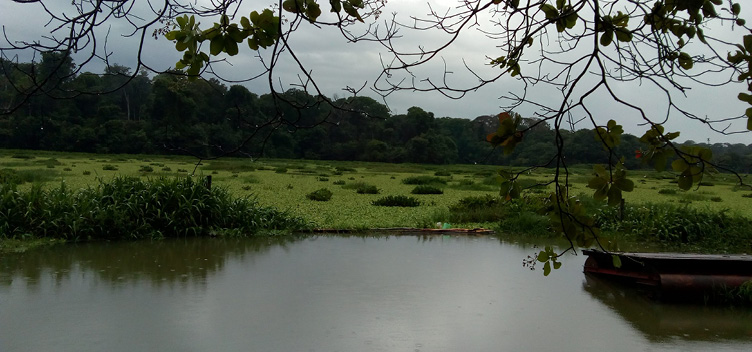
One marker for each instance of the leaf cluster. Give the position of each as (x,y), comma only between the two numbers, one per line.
(508,134)
(563,15)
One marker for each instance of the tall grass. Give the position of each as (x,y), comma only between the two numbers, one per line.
(128,208)
(670,224)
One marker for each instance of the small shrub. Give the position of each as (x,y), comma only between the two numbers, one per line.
(146,168)
(667,191)
(396,201)
(351,178)
(707,184)
(50,166)
(182,170)
(426,189)
(323,179)
(748,195)
(67,169)
(442,173)
(339,182)
(280,170)
(320,195)
(166,169)
(423,180)
(367,189)
(87,173)
(251,179)
(716,199)
(22,156)
(344,169)
(108,167)
(215,172)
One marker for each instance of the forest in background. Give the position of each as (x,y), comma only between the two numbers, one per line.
(113,112)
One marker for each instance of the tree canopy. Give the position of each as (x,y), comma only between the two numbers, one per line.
(579,52)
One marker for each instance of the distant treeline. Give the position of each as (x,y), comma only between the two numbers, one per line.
(114,113)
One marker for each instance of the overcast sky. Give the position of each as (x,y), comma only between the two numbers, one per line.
(336,64)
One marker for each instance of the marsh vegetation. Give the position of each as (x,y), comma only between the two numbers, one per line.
(334,194)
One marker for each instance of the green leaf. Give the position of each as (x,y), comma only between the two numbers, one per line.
(546,268)
(182,20)
(560,4)
(600,170)
(313,11)
(231,46)
(623,34)
(291,6)
(597,183)
(550,11)
(607,37)
(181,46)
(216,45)
(685,181)
(543,256)
(253,44)
(748,43)
(735,9)
(572,20)
(614,196)
(601,193)
(685,61)
(749,119)
(171,35)
(245,22)
(336,5)
(745,97)
(616,261)
(352,11)
(624,184)
(557,265)
(679,165)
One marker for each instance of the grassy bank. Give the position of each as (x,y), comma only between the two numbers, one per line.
(355,192)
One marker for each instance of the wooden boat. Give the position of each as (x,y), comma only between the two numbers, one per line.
(411,231)
(674,276)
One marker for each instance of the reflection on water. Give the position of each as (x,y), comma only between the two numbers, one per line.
(664,322)
(166,262)
(320,293)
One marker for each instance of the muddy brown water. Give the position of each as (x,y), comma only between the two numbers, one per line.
(335,293)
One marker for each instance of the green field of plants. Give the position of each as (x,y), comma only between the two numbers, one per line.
(353,187)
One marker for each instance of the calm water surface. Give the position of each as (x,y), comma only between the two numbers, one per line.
(335,294)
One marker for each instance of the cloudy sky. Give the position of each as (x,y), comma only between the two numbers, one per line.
(335,63)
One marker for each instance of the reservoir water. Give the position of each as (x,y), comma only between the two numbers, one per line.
(335,293)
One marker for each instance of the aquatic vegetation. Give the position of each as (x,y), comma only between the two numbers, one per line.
(396,201)
(320,195)
(129,208)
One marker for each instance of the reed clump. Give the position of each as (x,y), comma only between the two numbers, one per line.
(130,208)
